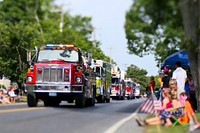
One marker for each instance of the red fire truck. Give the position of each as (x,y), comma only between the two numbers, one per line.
(60,73)
(130,88)
(118,85)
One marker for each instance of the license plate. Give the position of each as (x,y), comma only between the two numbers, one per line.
(52,94)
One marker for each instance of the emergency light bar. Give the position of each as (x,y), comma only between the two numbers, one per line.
(57,46)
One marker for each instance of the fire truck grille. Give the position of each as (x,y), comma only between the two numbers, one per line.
(48,74)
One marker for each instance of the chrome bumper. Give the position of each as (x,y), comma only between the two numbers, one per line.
(54,88)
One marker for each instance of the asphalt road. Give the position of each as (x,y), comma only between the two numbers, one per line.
(113,117)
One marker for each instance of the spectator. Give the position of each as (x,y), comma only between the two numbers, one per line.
(16,88)
(174,88)
(189,113)
(187,88)
(165,80)
(164,116)
(151,86)
(4,99)
(12,95)
(180,75)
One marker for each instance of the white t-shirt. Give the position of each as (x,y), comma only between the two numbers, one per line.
(180,75)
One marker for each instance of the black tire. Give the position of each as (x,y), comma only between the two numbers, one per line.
(100,99)
(94,95)
(108,100)
(80,101)
(123,97)
(118,97)
(32,100)
(91,101)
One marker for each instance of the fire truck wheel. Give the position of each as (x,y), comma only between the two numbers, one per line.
(123,97)
(80,101)
(91,101)
(108,100)
(100,99)
(32,100)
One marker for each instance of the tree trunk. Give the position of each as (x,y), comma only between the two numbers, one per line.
(190,10)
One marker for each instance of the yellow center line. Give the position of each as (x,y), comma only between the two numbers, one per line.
(21,109)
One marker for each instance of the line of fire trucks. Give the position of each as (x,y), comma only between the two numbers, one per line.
(65,73)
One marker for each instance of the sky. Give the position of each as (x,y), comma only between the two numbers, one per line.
(108,18)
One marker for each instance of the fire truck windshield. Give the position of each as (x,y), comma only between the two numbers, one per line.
(66,55)
(128,83)
(115,81)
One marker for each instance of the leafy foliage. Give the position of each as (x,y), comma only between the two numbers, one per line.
(26,24)
(138,75)
(154,27)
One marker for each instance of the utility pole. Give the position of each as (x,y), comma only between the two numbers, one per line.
(125,66)
(61,12)
(110,53)
(61,19)
(94,37)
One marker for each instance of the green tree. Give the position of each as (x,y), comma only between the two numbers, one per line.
(138,75)
(26,24)
(163,27)
(154,27)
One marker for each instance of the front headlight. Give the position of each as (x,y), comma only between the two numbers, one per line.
(29,79)
(79,79)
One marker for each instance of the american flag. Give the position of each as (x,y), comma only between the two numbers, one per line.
(150,105)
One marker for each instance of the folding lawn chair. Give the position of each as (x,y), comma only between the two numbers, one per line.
(177,114)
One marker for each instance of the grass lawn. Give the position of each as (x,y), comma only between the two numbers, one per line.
(163,129)
(23,99)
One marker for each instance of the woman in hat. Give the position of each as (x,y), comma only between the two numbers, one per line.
(165,80)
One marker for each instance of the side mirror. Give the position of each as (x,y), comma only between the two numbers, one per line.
(29,57)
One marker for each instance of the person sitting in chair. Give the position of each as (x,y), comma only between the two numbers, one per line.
(12,95)
(163,117)
(189,112)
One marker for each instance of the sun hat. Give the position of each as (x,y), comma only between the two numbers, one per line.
(166,70)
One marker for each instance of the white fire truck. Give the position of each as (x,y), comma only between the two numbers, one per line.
(137,90)
(102,70)
(118,85)
(60,73)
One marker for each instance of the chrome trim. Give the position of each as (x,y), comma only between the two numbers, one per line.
(40,78)
(64,88)
(47,91)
